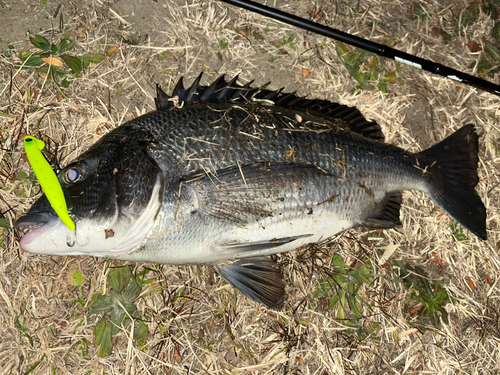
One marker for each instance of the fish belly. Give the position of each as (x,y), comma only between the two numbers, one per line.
(195,235)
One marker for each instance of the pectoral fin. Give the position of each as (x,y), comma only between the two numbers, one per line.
(244,247)
(258,279)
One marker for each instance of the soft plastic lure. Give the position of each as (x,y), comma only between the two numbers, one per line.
(48,179)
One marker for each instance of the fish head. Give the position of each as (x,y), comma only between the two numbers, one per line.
(113,195)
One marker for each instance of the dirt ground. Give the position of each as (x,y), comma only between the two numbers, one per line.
(196,323)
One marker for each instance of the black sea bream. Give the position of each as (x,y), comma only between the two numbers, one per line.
(232,173)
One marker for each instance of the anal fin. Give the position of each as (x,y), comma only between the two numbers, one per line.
(389,215)
(258,279)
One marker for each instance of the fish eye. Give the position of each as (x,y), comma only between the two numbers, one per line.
(74,173)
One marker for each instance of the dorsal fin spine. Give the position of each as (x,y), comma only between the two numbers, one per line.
(208,94)
(179,87)
(227,92)
(193,90)
(161,99)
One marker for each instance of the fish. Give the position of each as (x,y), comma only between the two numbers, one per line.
(229,175)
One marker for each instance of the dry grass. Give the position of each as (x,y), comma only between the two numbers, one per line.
(197,324)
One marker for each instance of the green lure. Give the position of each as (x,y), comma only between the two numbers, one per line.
(48,179)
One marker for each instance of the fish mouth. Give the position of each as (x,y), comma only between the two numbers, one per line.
(31,226)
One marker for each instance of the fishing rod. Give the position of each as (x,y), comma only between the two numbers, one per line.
(367,45)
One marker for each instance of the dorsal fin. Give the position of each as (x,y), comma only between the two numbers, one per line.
(221,91)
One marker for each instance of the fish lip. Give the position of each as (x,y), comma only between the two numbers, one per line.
(31,226)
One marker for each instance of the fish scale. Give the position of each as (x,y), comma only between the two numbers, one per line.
(227,175)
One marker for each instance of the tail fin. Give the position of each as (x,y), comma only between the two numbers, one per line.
(452,172)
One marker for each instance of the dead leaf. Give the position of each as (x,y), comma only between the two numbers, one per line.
(474,47)
(54,61)
(436,259)
(416,309)
(111,50)
(175,354)
(290,153)
(305,73)
(488,280)
(319,15)
(437,31)
(109,233)
(471,284)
